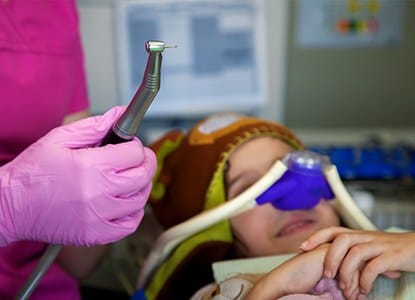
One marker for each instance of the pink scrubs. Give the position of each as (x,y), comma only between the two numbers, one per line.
(42,80)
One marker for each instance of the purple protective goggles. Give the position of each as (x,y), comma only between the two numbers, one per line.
(302,186)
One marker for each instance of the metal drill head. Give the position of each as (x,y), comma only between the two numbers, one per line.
(157,46)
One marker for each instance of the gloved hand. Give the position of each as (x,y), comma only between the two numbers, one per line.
(64,190)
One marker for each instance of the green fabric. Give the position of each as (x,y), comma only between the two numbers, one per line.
(216,194)
(166,148)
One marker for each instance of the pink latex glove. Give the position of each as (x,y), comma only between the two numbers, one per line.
(64,190)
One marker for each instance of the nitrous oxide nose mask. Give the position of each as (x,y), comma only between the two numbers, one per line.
(302,186)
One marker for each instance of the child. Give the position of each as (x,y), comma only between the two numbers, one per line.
(218,159)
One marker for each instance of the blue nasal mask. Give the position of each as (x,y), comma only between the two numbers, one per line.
(302,186)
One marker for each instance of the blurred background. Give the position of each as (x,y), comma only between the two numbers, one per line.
(340,73)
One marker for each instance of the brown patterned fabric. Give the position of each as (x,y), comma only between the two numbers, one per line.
(186,173)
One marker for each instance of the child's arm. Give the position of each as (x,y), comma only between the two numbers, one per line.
(360,256)
(297,275)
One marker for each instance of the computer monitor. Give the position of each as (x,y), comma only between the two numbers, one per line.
(219,63)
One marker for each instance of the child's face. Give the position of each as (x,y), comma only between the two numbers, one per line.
(265,230)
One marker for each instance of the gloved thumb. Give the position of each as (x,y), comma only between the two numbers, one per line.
(87,132)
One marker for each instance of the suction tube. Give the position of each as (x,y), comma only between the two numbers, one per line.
(123,130)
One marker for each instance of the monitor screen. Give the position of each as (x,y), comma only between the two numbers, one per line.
(217,64)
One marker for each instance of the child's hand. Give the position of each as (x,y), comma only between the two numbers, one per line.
(297,275)
(360,256)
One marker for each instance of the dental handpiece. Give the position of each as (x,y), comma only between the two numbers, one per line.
(127,125)
(124,129)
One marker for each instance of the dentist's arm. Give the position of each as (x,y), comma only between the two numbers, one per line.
(63,189)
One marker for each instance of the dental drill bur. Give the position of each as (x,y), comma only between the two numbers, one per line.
(124,129)
(127,125)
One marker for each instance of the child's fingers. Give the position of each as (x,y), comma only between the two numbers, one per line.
(351,267)
(322,236)
(370,272)
(345,247)
(352,290)
(356,258)
(361,296)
